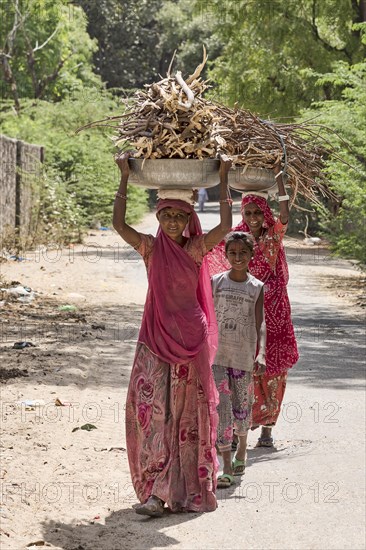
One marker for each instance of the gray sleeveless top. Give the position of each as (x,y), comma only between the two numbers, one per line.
(235,313)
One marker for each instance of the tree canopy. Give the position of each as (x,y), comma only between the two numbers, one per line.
(45,50)
(128,37)
(275,50)
(137,39)
(345,225)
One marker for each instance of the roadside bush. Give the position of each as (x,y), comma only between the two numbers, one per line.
(344,225)
(79,171)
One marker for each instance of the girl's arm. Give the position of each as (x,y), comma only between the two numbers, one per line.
(261,334)
(284,209)
(213,237)
(128,233)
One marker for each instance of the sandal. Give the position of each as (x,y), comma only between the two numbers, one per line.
(153,507)
(238,466)
(224,481)
(265,442)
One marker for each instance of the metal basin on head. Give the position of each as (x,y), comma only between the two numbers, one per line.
(248,178)
(174,173)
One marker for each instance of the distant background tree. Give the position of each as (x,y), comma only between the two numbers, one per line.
(128,37)
(275,50)
(45,50)
(185,30)
(345,225)
(137,39)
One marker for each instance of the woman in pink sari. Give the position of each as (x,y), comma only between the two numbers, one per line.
(171,413)
(270,266)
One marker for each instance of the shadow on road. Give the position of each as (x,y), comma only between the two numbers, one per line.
(92,346)
(332,349)
(123,529)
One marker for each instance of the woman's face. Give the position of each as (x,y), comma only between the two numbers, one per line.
(253,217)
(173,222)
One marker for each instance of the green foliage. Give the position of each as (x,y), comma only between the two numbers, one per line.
(48,49)
(128,37)
(58,218)
(274,58)
(345,225)
(185,31)
(273,50)
(80,166)
(137,39)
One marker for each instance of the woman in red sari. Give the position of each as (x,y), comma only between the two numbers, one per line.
(270,266)
(171,413)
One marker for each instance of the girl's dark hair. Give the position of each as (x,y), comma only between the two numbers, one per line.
(246,238)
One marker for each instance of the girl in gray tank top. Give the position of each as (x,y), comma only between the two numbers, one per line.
(238,298)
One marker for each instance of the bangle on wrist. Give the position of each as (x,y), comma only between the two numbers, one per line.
(120,196)
(229,201)
(283,198)
(279,174)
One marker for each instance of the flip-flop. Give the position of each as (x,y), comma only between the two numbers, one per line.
(265,442)
(224,481)
(238,467)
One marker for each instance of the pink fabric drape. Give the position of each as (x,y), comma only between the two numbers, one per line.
(171,416)
(179,316)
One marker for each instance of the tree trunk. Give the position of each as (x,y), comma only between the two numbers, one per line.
(362,11)
(9,77)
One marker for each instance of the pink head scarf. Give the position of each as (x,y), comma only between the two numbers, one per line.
(179,317)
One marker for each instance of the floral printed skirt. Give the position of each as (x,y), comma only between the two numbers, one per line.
(169,437)
(236,393)
(268,396)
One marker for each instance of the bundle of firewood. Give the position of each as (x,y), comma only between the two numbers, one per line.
(251,141)
(172,119)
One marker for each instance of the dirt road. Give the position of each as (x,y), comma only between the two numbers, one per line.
(69,488)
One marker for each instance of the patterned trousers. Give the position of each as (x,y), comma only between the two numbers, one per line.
(236,392)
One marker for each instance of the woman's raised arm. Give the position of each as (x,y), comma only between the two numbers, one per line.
(284,209)
(216,234)
(128,233)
